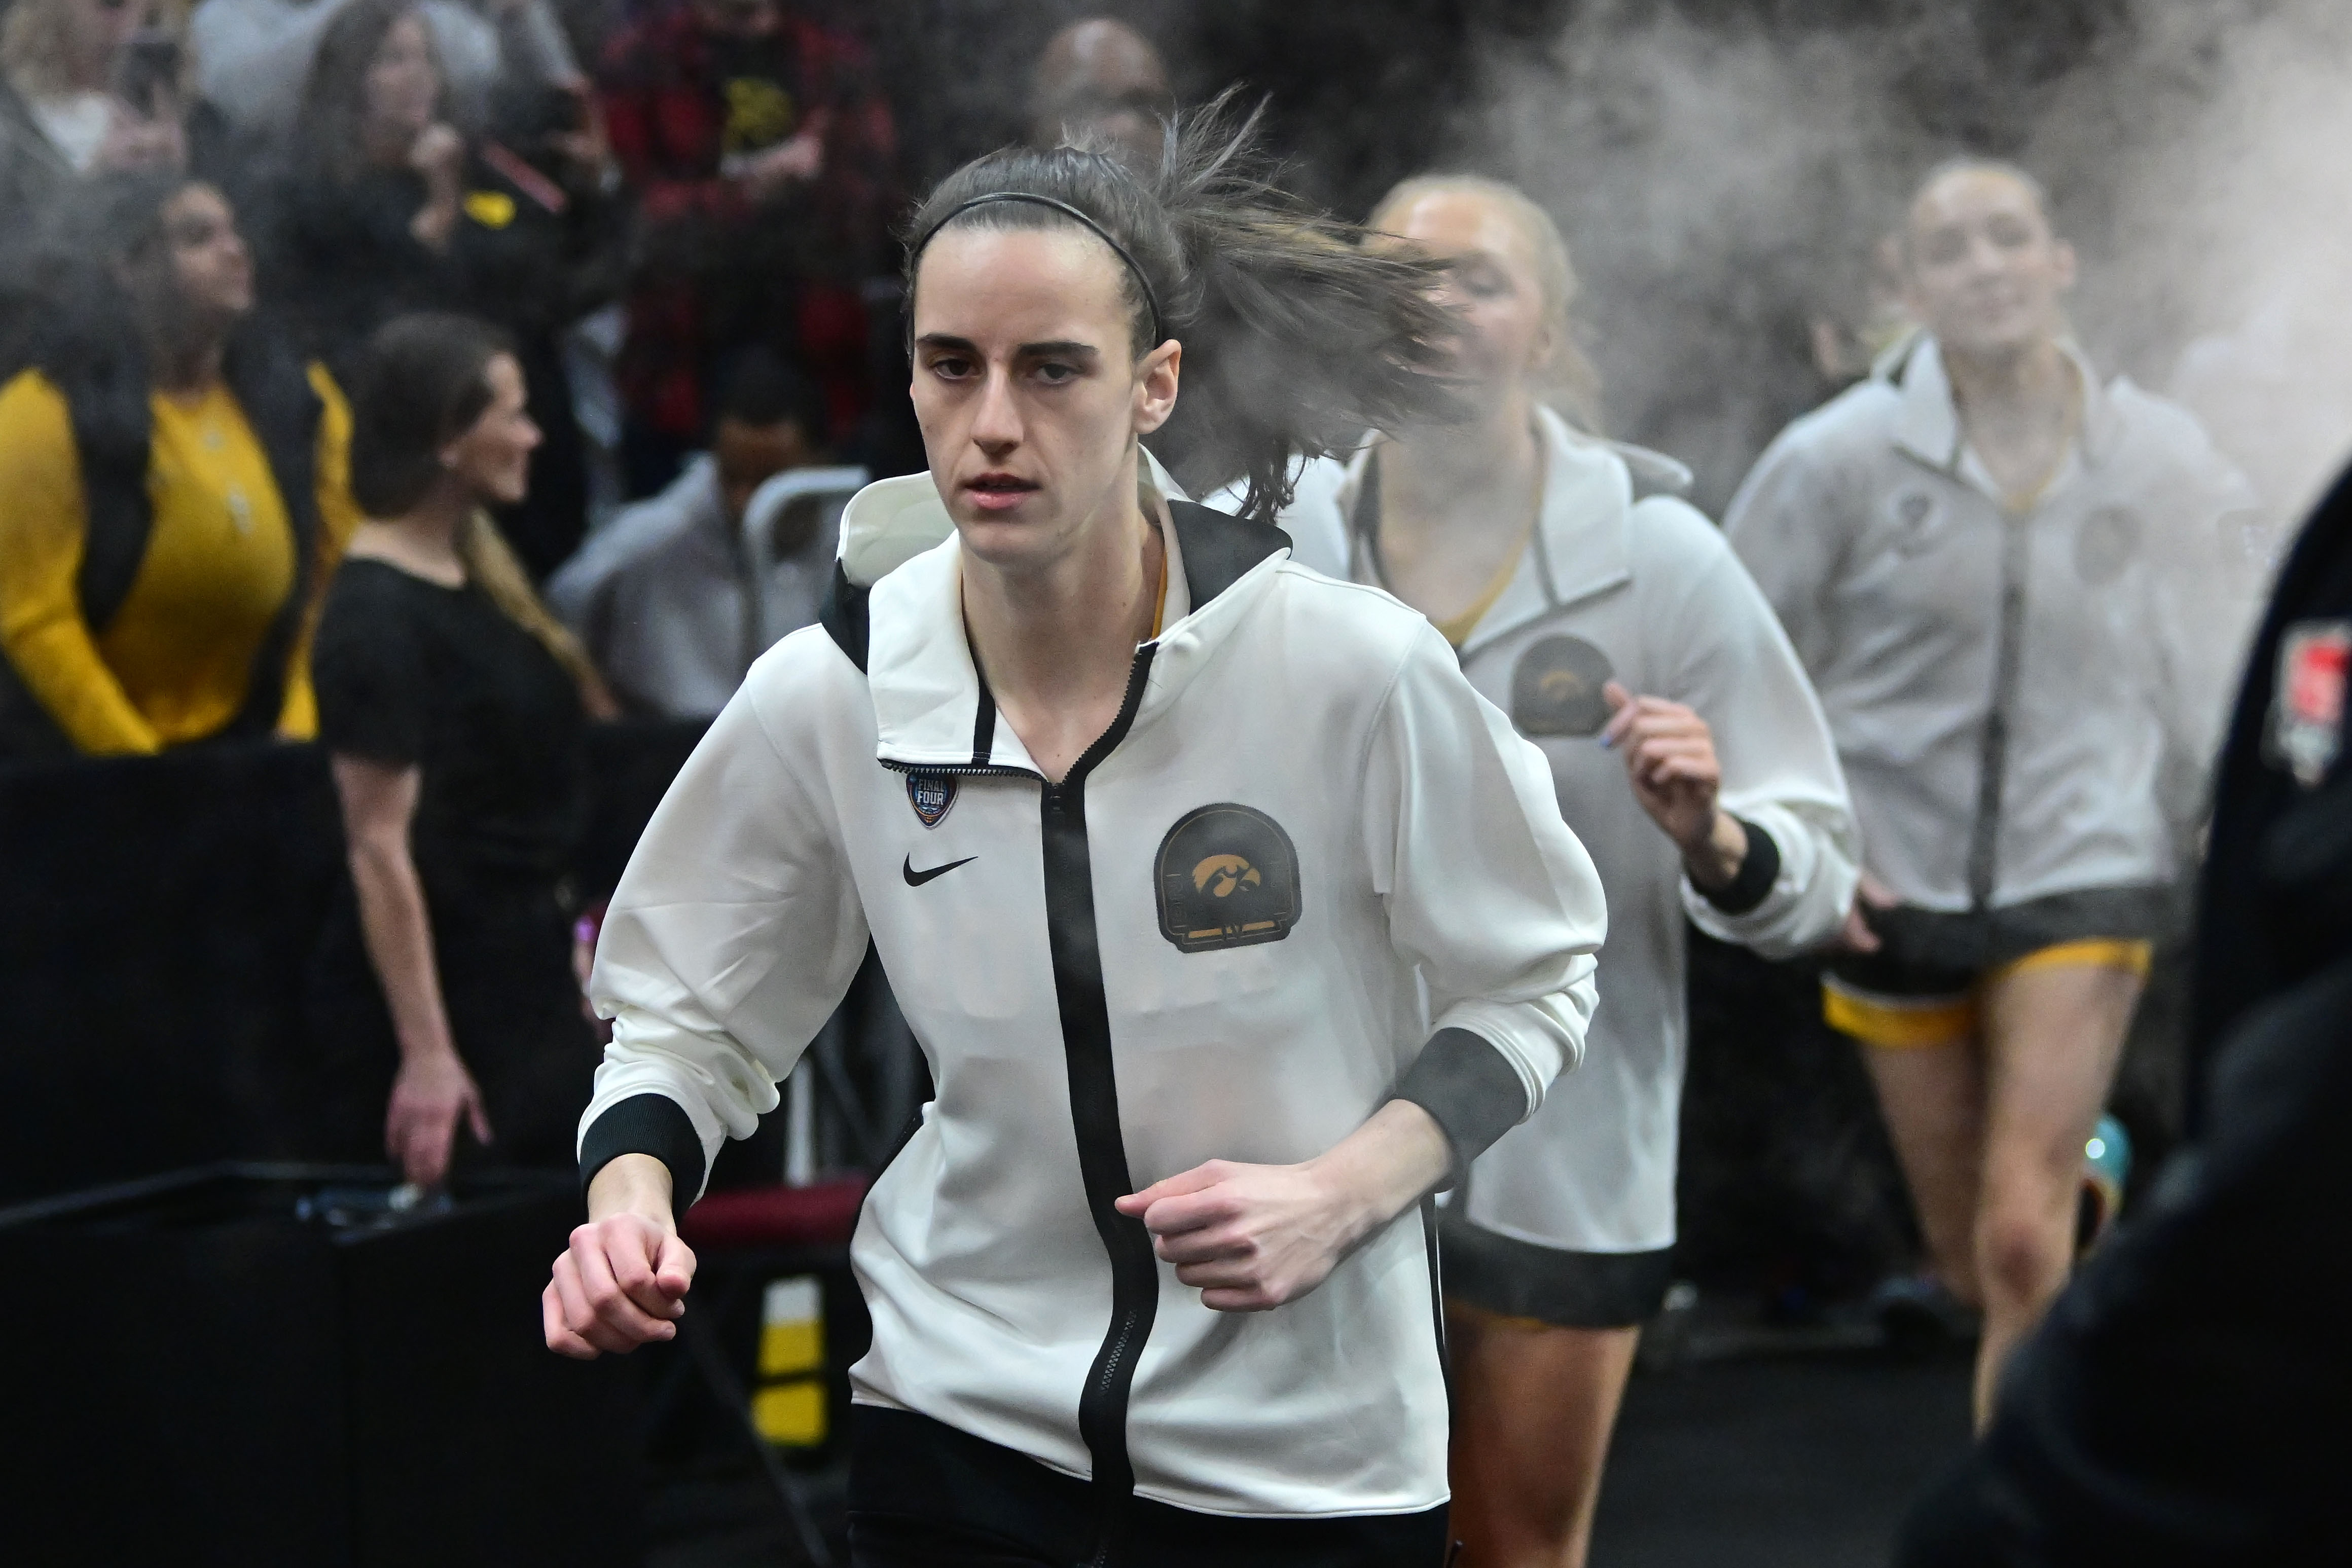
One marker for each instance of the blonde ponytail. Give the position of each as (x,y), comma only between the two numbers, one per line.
(490,563)
(1297,338)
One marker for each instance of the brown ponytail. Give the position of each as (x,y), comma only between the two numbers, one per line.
(1297,338)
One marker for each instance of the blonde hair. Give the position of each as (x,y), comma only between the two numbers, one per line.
(1568,384)
(490,562)
(36,33)
(33,45)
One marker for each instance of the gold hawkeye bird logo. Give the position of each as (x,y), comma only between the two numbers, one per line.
(1220,875)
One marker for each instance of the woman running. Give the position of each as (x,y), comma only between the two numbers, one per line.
(1232,921)
(1614,627)
(1983,556)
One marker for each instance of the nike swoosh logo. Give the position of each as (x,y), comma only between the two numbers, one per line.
(916,878)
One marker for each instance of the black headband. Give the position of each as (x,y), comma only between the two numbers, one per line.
(1142,281)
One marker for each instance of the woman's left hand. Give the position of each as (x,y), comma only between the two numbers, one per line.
(1252,1237)
(432,1092)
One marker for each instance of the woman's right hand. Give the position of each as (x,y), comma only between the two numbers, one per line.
(136,141)
(431,1093)
(439,154)
(1856,936)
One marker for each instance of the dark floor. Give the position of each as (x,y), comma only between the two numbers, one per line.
(1802,1462)
(1770,1459)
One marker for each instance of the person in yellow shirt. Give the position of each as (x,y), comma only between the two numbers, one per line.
(174,493)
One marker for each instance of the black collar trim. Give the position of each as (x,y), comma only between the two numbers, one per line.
(1219,550)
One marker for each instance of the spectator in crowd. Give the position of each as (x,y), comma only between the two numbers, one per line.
(761,153)
(2020,593)
(2183,1403)
(386,207)
(253,56)
(85,87)
(453,707)
(175,487)
(1101,81)
(663,597)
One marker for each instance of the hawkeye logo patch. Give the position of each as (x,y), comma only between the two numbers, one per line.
(932,795)
(1556,688)
(2307,713)
(1918,519)
(1227,876)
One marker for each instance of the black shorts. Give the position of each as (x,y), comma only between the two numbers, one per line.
(1514,1278)
(1921,988)
(925,1495)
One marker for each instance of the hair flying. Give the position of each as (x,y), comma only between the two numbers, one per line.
(1297,338)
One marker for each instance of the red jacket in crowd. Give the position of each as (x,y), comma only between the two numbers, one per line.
(686,107)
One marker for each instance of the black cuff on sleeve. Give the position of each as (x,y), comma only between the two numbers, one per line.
(1758,870)
(1469,1091)
(652,1124)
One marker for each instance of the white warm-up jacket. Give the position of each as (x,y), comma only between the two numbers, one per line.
(2005,688)
(1307,868)
(1637,587)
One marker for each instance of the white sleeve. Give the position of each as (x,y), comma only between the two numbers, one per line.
(1787,525)
(2209,584)
(734,933)
(1489,892)
(1780,772)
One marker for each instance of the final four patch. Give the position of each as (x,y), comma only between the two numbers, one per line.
(1556,688)
(2307,710)
(932,795)
(1227,876)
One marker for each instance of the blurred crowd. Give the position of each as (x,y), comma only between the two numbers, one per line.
(677,210)
(433,378)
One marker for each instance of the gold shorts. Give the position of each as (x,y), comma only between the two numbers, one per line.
(1947,1017)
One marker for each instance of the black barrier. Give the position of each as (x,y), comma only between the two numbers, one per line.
(262,1367)
(156,917)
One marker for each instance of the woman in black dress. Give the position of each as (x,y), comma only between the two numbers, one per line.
(453,705)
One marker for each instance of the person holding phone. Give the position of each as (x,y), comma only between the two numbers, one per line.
(385,206)
(85,86)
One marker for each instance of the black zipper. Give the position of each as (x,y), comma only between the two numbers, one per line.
(1085,1012)
(1993,764)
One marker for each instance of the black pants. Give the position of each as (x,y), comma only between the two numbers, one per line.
(924,1495)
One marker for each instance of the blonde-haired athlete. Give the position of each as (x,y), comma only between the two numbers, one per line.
(2021,593)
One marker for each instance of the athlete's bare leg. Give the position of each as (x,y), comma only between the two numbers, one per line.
(1934,1101)
(2053,1036)
(1533,1405)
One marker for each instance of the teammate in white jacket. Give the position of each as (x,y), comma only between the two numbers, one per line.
(1231,919)
(2022,597)
(1568,582)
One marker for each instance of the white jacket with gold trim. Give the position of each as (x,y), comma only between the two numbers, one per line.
(1637,587)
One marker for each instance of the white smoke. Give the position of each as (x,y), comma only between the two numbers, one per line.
(2232,235)
(1721,187)
(1715,187)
